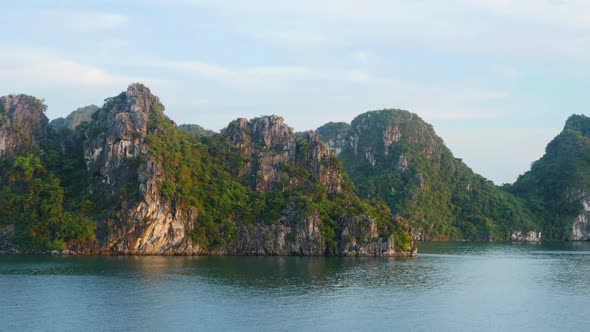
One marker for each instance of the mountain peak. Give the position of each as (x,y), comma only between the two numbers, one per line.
(578,122)
(138,89)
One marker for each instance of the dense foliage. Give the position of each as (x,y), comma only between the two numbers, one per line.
(401,176)
(74,119)
(196,130)
(33,198)
(419,178)
(203,172)
(556,183)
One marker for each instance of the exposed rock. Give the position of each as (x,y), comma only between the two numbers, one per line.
(335,134)
(22,124)
(270,142)
(402,163)
(531,236)
(581,225)
(293,235)
(150,224)
(6,235)
(391,135)
(360,237)
(272,145)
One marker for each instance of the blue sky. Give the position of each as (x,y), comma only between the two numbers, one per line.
(496,78)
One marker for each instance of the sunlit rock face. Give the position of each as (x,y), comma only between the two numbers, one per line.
(22,124)
(271,145)
(121,163)
(531,236)
(581,225)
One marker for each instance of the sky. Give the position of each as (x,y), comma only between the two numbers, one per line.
(496,78)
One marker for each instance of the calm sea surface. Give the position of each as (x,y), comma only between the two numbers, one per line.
(449,287)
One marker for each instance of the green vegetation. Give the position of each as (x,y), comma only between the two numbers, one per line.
(556,183)
(74,119)
(419,179)
(206,173)
(32,199)
(196,130)
(56,199)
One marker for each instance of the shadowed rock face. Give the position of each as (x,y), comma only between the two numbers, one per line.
(121,163)
(22,124)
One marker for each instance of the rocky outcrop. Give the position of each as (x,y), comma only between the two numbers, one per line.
(270,143)
(335,134)
(124,170)
(6,235)
(293,234)
(272,146)
(531,236)
(22,124)
(360,237)
(581,224)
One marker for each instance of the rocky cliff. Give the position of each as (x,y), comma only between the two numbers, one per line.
(313,198)
(273,150)
(125,172)
(23,124)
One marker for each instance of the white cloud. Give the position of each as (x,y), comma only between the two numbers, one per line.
(27,67)
(546,28)
(263,79)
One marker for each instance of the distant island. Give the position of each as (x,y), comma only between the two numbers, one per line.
(125,179)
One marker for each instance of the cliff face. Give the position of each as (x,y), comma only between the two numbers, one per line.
(335,134)
(271,147)
(395,156)
(125,172)
(558,184)
(298,168)
(581,224)
(22,124)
